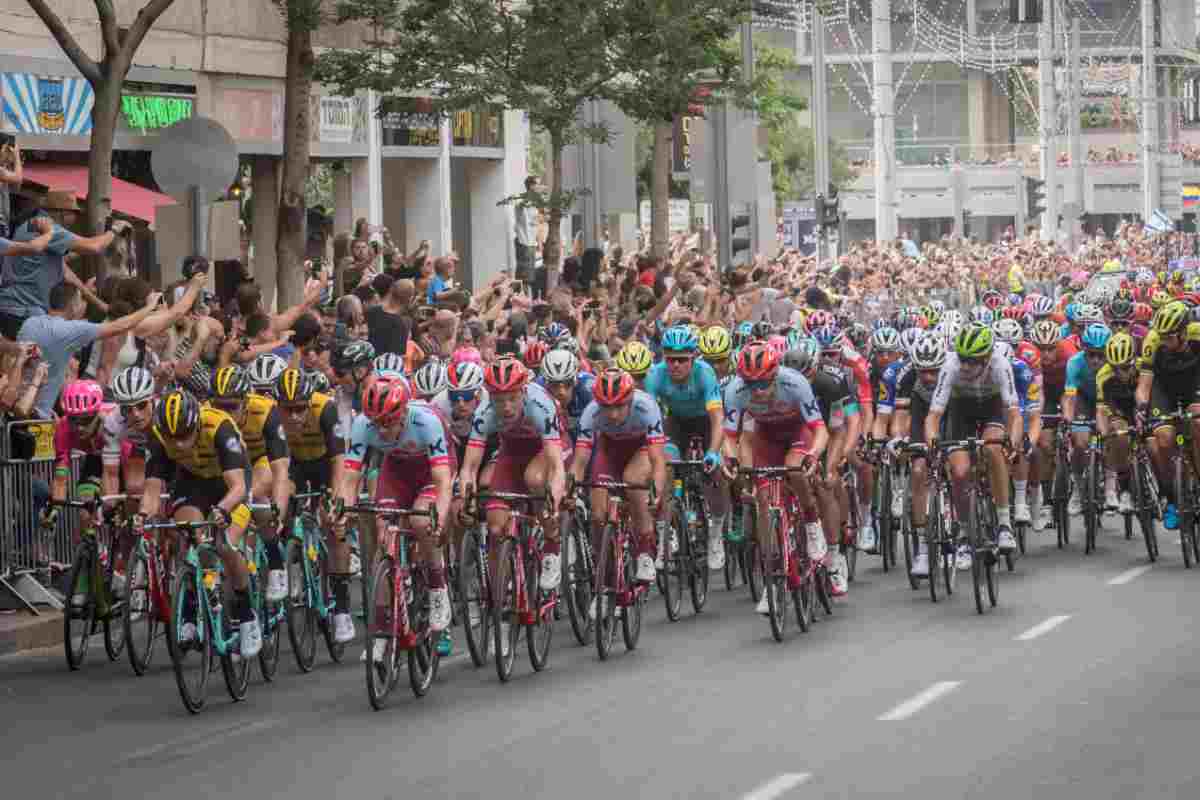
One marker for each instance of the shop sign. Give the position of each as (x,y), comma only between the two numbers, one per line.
(36,104)
(410,122)
(335,117)
(147,113)
(251,115)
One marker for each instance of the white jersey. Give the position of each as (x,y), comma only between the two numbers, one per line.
(996,379)
(460,427)
(115,431)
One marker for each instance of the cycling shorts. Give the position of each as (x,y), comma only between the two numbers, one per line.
(1168,392)
(508,474)
(770,444)
(201,493)
(311,476)
(611,456)
(681,430)
(402,481)
(1085,413)
(967,416)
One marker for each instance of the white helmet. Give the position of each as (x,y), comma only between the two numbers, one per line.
(430,378)
(265,370)
(389,364)
(464,376)
(560,366)
(1007,330)
(929,352)
(132,385)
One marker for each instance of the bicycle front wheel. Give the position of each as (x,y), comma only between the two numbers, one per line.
(675,552)
(382,651)
(698,572)
(79,610)
(541,627)
(1184,512)
(605,596)
(1062,494)
(473,596)
(804,601)
(506,627)
(140,618)
(301,617)
(268,656)
(775,579)
(1091,509)
(753,564)
(188,640)
(234,666)
(423,656)
(631,615)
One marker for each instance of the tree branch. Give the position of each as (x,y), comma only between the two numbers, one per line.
(108,28)
(141,26)
(82,61)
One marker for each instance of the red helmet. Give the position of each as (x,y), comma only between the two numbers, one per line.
(1014,312)
(507,374)
(1142,312)
(758,362)
(613,387)
(535,352)
(818,319)
(82,398)
(385,400)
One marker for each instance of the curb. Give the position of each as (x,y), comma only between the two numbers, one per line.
(32,633)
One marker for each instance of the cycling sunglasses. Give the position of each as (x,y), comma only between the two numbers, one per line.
(679,359)
(464,396)
(759,386)
(82,422)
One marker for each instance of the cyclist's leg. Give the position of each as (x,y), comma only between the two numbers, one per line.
(997,467)
(638,470)
(1162,446)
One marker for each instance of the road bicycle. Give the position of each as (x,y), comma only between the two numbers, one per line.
(398,612)
(90,601)
(980,526)
(578,571)
(1091,487)
(617,586)
(518,600)
(749,565)
(270,614)
(1146,504)
(1187,489)
(688,561)
(1060,491)
(147,607)
(475,591)
(941,536)
(310,602)
(848,544)
(890,483)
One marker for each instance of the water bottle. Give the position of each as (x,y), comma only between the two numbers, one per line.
(678,488)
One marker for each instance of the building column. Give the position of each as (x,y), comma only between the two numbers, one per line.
(264,221)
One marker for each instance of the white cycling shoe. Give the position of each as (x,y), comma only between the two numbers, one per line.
(716,550)
(343,628)
(250,638)
(645,568)
(276,585)
(439,609)
(920,567)
(551,572)
(1022,513)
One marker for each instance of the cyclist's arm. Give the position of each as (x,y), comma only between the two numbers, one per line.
(63,442)
(443,486)
(335,446)
(1016,426)
(1141,395)
(468,474)
(1103,418)
(716,424)
(585,442)
(556,478)
(231,455)
(279,458)
(110,479)
(158,472)
(658,466)
(933,424)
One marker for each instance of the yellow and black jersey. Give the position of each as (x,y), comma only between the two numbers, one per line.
(1160,361)
(262,430)
(218,449)
(318,439)
(1113,391)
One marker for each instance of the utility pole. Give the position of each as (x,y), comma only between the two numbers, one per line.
(1150,176)
(1048,113)
(722,219)
(1074,140)
(886,228)
(747,42)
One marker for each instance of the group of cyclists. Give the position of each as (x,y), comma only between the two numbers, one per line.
(827,395)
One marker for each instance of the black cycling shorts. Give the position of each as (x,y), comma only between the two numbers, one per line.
(1168,392)
(967,416)
(311,476)
(680,430)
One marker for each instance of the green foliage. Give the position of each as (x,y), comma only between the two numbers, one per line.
(791,154)
(318,189)
(301,15)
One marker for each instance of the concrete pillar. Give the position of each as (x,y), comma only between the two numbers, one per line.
(393,211)
(515,170)
(264,220)
(372,190)
(351,195)
(491,225)
(443,240)
(423,201)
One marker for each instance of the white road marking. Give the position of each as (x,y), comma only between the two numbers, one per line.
(777,786)
(915,704)
(1129,574)
(1043,627)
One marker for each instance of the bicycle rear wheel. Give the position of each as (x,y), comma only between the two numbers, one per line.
(423,657)
(473,591)
(539,632)
(911,546)
(1062,494)
(234,666)
(698,572)
(336,649)
(631,615)
(140,618)
(1091,510)
(192,657)
(301,617)
(605,599)
(975,532)
(1144,500)
(79,610)
(268,656)
(804,600)
(1184,511)
(751,558)
(881,512)
(506,628)
(671,577)
(775,581)
(382,651)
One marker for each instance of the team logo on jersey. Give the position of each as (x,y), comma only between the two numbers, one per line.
(438,447)
(1034,392)
(233,445)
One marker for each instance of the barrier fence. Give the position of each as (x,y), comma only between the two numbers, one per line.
(27,553)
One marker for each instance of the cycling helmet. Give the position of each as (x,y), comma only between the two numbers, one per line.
(804,357)
(794,337)
(232,382)
(1120,309)
(82,398)
(293,387)
(909,338)
(177,414)
(761,330)
(743,333)
(319,380)
(1142,312)
(881,323)
(859,335)
(506,375)
(948,331)
(464,376)
(1144,277)
(779,344)
(1096,336)
(430,378)
(384,401)
(818,319)
(133,385)
(758,363)
(1042,307)
(568,343)
(828,337)
(885,340)
(1079,279)
(938,306)
(974,342)
(679,339)
(1014,313)
(534,354)
(953,317)
(265,370)
(1119,350)
(1045,333)
(906,319)
(1071,311)
(993,300)
(470,354)
(351,354)
(613,388)
(1089,313)
(1007,330)
(929,352)
(389,364)
(1171,317)
(981,315)
(554,331)
(1160,298)
(635,358)
(560,366)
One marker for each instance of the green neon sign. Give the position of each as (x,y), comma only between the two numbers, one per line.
(147,112)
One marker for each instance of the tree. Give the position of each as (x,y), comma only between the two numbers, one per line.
(118,45)
(791,152)
(545,57)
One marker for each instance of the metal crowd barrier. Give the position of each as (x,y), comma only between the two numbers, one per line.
(26,553)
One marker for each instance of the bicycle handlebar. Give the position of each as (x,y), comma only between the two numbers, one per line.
(770,471)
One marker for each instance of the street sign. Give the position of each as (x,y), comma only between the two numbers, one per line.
(196,152)
(1071,211)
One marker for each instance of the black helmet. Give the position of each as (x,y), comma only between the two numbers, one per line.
(230,382)
(177,414)
(293,387)
(354,353)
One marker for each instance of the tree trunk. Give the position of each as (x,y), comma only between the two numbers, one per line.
(660,190)
(98,205)
(264,220)
(552,253)
(290,246)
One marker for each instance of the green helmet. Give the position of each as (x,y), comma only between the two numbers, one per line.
(974,342)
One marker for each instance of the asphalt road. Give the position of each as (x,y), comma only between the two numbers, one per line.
(1083,683)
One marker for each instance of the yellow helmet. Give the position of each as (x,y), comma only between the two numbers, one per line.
(1171,317)
(1160,298)
(1119,350)
(635,358)
(715,343)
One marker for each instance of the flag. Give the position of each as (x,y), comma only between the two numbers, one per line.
(1159,223)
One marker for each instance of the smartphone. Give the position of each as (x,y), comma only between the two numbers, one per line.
(518,287)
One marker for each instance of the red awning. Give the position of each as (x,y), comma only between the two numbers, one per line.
(128,199)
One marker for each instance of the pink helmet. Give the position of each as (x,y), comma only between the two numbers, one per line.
(469,354)
(82,398)
(778,344)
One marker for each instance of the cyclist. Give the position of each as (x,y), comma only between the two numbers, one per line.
(1055,353)
(126,431)
(568,385)
(264,371)
(1079,403)
(976,390)
(716,345)
(636,359)
(777,411)
(690,393)
(530,459)
(1116,384)
(353,366)
(199,452)
(1026,366)
(621,435)
(1169,377)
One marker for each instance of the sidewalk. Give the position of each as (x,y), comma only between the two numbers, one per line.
(20,630)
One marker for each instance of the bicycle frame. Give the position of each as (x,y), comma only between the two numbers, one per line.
(786,561)
(522,527)
(625,596)
(306,531)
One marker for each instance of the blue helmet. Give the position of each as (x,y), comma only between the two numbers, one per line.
(1096,336)
(880,323)
(829,337)
(1071,311)
(680,339)
(555,331)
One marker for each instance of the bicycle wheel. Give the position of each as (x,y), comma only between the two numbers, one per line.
(303,566)
(824,586)
(606,626)
(752,561)
(79,610)
(934,554)
(1144,507)
(671,577)
(234,667)
(472,577)
(540,630)
(881,512)
(803,599)
(697,569)
(909,540)
(336,649)
(775,582)
(631,615)
(975,532)
(1062,494)
(382,647)
(268,656)
(139,616)
(114,631)
(192,657)
(1183,513)
(1091,511)
(506,627)
(422,656)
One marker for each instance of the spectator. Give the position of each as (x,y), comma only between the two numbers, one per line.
(525,232)
(11,174)
(390,323)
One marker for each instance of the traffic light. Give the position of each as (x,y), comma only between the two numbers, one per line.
(828,209)
(966,222)
(1035,197)
(740,243)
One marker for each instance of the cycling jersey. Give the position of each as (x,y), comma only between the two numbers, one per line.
(538,421)
(791,401)
(887,396)
(217,450)
(425,440)
(318,438)
(1113,392)
(116,436)
(1081,380)
(1029,390)
(1160,361)
(994,380)
(860,377)
(68,438)
(833,395)
(695,397)
(262,430)
(644,421)
(581,397)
